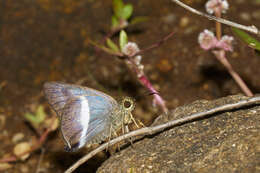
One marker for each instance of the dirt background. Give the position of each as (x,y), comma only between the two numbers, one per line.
(46,40)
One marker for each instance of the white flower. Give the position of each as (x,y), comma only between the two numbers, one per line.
(130,49)
(207,40)
(213,6)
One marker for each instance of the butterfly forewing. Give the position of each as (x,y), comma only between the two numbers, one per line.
(57,96)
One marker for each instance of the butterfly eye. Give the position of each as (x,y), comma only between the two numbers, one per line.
(128,104)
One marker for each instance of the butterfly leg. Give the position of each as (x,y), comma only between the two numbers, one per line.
(114,135)
(110,135)
(123,128)
(133,119)
(140,122)
(127,130)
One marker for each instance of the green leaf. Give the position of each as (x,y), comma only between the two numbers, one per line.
(252,42)
(118,6)
(112,45)
(139,19)
(105,49)
(127,11)
(31,118)
(115,22)
(40,114)
(37,118)
(122,39)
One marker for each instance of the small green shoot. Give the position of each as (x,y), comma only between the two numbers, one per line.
(127,11)
(35,119)
(122,12)
(252,42)
(111,47)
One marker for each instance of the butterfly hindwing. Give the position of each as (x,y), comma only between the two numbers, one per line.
(81,125)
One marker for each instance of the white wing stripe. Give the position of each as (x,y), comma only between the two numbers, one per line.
(84,117)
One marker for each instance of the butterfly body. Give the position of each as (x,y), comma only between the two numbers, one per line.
(86,115)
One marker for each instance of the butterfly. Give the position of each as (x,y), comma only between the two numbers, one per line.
(86,115)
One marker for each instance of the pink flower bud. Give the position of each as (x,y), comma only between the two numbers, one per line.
(207,40)
(226,43)
(216,6)
(130,49)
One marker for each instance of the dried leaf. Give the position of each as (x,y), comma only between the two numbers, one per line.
(21,148)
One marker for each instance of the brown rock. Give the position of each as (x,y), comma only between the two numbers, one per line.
(224,142)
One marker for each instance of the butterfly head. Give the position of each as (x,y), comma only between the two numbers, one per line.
(123,115)
(127,106)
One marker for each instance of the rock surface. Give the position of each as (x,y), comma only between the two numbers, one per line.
(224,142)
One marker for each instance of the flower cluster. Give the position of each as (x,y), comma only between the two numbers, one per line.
(207,40)
(131,49)
(216,6)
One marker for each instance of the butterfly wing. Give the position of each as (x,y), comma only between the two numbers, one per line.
(85,113)
(57,95)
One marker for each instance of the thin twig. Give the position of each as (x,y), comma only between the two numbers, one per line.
(40,160)
(152,130)
(252,29)
(155,45)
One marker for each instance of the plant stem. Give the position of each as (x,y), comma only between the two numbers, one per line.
(220,55)
(146,83)
(157,98)
(218,26)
